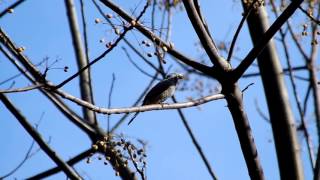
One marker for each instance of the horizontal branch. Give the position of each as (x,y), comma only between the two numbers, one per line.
(29,88)
(139,108)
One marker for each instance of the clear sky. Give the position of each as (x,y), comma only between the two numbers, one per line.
(42,27)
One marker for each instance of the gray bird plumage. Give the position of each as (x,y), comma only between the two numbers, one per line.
(161,91)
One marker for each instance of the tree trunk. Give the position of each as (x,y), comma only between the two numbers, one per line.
(281,117)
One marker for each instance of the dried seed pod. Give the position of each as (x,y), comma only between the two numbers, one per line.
(10,10)
(21,49)
(165,49)
(108,158)
(109,16)
(133,23)
(97,20)
(117,31)
(95,147)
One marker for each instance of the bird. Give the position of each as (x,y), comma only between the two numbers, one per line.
(161,91)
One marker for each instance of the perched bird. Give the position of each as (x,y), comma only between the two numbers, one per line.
(161,91)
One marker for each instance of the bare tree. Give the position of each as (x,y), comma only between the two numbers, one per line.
(145,31)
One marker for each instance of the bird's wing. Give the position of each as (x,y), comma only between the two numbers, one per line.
(153,95)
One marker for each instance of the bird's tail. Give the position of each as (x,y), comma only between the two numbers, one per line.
(134,116)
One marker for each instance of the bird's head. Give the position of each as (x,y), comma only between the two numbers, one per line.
(176,76)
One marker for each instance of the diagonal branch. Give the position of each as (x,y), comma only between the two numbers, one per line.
(69,171)
(235,37)
(204,36)
(11,7)
(310,16)
(256,50)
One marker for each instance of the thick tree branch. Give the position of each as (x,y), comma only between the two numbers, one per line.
(233,96)
(204,37)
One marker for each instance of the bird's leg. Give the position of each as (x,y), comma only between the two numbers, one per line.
(163,103)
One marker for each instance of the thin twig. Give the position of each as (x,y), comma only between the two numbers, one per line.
(26,157)
(110,100)
(134,64)
(235,37)
(195,142)
(311,17)
(29,154)
(260,112)
(135,164)
(305,102)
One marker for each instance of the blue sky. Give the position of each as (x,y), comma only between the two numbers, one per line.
(42,27)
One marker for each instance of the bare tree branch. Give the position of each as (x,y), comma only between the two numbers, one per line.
(139,108)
